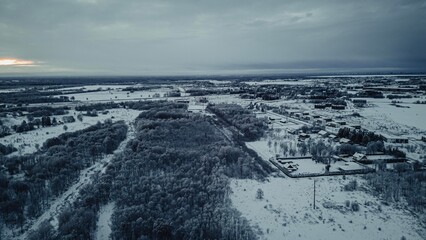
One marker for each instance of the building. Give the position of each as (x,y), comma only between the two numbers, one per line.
(394,139)
(323,133)
(338,107)
(319,106)
(341,123)
(344,140)
(359,101)
(359,157)
(303,136)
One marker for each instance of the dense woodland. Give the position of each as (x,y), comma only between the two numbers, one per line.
(171,182)
(243,119)
(403,184)
(362,137)
(32,96)
(50,171)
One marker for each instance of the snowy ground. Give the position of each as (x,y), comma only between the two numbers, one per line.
(286,211)
(280,82)
(26,142)
(117,94)
(413,116)
(103,225)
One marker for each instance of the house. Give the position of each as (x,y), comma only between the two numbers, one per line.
(303,136)
(344,140)
(319,106)
(359,157)
(323,133)
(338,107)
(292,167)
(341,123)
(394,139)
(424,138)
(359,101)
(289,165)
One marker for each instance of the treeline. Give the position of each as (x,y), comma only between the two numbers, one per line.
(362,137)
(51,170)
(32,96)
(44,121)
(395,186)
(36,111)
(202,92)
(7,149)
(98,106)
(244,120)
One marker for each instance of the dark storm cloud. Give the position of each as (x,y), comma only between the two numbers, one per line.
(149,37)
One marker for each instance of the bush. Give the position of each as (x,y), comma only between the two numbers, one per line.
(259,194)
(355,207)
(351,186)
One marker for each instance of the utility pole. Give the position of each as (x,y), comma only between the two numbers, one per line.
(314,193)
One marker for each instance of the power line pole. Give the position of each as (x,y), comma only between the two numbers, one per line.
(314,193)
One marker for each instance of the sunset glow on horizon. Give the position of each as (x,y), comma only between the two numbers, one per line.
(15,62)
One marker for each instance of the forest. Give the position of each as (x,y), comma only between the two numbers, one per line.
(47,173)
(399,185)
(244,120)
(171,182)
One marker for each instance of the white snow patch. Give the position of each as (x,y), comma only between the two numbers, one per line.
(286,211)
(26,142)
(103,226)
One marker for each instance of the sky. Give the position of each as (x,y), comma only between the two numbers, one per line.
(137,37)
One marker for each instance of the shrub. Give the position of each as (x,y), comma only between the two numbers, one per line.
(351,186)
(355,207)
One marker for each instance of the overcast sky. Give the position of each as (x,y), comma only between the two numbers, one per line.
(132,37)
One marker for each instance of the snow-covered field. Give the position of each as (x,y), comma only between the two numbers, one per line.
(280,82)
(26,142)
(413,116)
(286,211)
(118,94)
